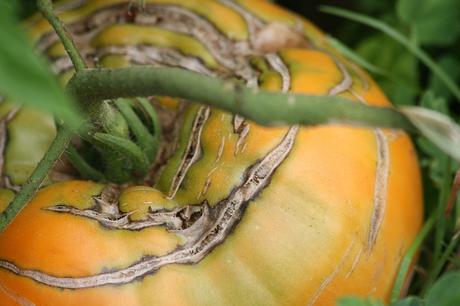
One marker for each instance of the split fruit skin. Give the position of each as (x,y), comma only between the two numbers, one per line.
(335,210)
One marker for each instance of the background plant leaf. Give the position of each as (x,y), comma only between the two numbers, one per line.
(358,301)
(450,64)
(445,291)
(409,301)
(434,21)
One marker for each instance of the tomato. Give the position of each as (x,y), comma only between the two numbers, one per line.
(236,213)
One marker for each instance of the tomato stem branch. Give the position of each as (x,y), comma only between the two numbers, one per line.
(46,8)
(267,108)
(34,182)
(82,166)
(63,135)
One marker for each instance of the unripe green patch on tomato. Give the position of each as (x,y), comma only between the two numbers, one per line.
(126,35)
(30,133)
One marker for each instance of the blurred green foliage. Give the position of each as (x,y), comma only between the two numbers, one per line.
(26,78)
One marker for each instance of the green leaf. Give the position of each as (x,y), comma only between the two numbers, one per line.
(435,22)
(409,301)
(433,160)
(446,291)
(451,65)
(357,301)
(25,77)
(10,9)
(86,170)
(438,128)
(373,6)
(432,101)
(408,259)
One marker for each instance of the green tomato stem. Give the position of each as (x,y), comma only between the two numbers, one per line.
(266,108)
(34,182)
(46,8)
(82,166)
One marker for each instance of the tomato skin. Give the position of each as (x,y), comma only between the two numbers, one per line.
(279,254)
(334,219)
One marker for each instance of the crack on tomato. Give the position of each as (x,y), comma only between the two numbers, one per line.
(346,83)
(149,54)
(241,128)
(171,121)
(137,54)
(354,263)
(193,150)
(231,54)
(204,227)
(214,225)
(327,280)
(108,215)
(380,188)
(215,166)
(21,300)
(382,173)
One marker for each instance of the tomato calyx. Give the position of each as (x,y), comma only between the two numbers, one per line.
(121,144)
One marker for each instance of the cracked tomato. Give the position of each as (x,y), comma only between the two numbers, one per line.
(232,213)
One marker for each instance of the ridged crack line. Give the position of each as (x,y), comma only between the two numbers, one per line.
(181,20)
(192,151)
(230,54)
(347,81)
(380,187)
(277,63)
(254,23)
(226,214)
(331,276)
(382,173)
(138,54)
(174,220)
(16,297)
(144,54)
